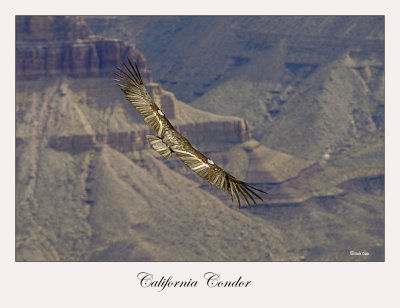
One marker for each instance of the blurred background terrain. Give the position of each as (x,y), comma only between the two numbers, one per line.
(293,104)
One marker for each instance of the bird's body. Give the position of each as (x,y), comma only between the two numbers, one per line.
(169,140)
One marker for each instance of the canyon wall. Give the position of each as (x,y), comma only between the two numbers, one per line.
(50,46)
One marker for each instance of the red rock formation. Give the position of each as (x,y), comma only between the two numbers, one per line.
(51,28)
(49,46)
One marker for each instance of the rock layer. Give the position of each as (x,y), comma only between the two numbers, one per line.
(229,132)
(49,46)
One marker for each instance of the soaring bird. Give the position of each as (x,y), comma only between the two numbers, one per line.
(169,141)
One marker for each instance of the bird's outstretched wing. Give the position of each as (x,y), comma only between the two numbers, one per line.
(131,84)
(214,174)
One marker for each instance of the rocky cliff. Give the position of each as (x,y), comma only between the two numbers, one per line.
(48,46)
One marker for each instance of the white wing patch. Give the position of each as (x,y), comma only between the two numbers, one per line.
(184,152)
(160,112)
(200,167)
(210,161)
